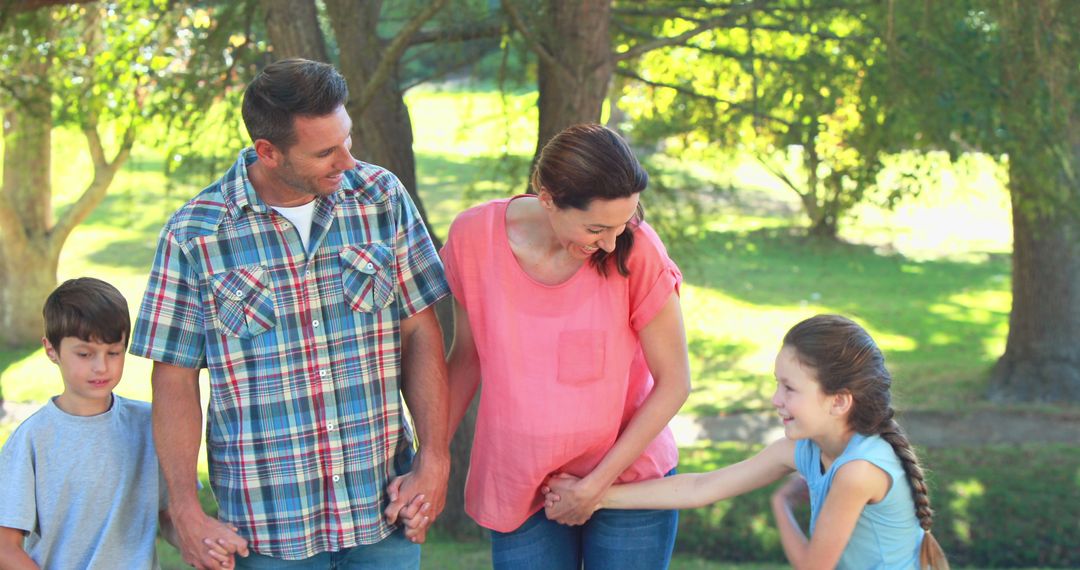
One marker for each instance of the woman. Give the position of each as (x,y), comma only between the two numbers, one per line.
(567,310)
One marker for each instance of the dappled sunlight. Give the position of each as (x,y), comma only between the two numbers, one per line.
(963,494)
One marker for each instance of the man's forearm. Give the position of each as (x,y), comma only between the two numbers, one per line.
(425,386)
(177,416)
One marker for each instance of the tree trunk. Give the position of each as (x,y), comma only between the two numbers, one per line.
(1042,354)
(382,130)
(1040,76)
(293,27)
(574,81)
(29,260)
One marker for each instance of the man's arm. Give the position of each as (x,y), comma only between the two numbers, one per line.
(177,417)
(12,555)
(424,387)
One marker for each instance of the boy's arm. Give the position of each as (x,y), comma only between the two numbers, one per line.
(12,555)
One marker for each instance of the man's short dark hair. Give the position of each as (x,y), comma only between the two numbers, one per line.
(287,89)
(88,309)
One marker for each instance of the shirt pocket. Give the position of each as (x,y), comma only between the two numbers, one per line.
(581,356)
(367,276)
(244,301)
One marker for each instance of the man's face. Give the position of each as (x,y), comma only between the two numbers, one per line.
(314,164)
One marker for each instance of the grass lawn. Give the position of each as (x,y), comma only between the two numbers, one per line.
(933,292)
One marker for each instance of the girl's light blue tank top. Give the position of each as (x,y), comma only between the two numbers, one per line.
(887,535)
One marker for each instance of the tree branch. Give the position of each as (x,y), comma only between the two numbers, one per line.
(393,52)
(462,34)
(104,172)
(705,26)
(533,43)
(692,93)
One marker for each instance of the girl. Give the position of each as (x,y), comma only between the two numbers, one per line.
(867,495)
(567,312)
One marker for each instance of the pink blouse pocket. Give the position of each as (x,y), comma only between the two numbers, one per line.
(581,356)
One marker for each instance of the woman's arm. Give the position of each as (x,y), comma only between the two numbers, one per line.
(691,490)
(663,341)
(462,367)
(854,485)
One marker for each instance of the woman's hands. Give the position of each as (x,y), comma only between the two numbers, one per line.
(570,500)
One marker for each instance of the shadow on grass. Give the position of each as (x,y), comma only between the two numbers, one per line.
(933,313)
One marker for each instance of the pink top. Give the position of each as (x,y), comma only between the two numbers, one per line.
(562,367)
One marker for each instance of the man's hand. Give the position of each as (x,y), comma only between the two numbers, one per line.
(428,478)
(199,536)
(569,500)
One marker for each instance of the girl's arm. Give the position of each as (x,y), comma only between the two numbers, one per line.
(462,368)
(663,341)
(855,484)
(691,490)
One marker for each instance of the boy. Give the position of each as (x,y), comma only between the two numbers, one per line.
(80,477)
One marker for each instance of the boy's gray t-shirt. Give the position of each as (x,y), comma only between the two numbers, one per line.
(86,489)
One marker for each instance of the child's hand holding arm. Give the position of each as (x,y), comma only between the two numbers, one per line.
(689,490)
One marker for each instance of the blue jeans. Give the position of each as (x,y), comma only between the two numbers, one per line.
(623,539)
(394,551)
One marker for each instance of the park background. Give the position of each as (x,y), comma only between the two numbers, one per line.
(911,165)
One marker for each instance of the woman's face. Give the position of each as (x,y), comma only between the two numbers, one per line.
(584,232)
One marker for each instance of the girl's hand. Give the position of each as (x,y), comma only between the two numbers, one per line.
(793,492)
(569,500)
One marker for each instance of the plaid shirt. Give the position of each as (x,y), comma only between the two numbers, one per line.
(305,426)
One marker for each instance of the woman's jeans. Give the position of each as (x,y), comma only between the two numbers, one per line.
(611,539)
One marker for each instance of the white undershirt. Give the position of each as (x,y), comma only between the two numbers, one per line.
(300,216)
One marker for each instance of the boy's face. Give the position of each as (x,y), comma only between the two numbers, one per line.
(90,371)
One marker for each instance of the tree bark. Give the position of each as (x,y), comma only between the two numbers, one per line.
(29,264)
(382,130)
(576,64)
(293,27)
(1041,362)
(1040,76)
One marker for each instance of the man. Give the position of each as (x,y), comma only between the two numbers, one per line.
(303,281)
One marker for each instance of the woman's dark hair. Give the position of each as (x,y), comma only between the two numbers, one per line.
(591,162)
(845,359)
(88,309)
(287,89)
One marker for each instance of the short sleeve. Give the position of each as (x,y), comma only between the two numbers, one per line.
(169,327)
(804,457)
(653,277)
(450,260)
(17,493)
(420,277)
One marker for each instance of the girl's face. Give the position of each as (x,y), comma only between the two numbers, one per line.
(803,407)
(584,232)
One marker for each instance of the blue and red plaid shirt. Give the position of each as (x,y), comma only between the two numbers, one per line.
(305,426)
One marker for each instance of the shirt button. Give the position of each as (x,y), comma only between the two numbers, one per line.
(315,323)
(330,426)
(336,478)
(285,225)
(239,294)
(370,266)
(322,373)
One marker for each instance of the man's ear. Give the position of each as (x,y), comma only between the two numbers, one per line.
(841,403)
(50,350)
(268,154)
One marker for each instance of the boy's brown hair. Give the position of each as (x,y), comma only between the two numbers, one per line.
(88,309)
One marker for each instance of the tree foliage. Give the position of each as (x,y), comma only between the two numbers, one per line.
(96,67)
